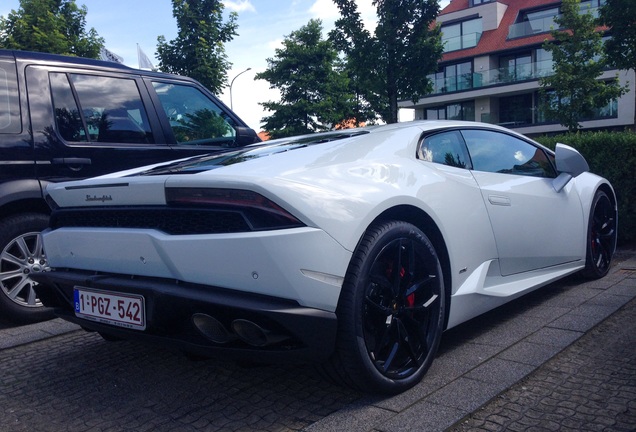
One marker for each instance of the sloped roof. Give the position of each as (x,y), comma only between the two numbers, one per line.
(497,40)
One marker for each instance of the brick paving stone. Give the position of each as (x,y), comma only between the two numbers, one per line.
(590,386)
(54,377)
(83,383)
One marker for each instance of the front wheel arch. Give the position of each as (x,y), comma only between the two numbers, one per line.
(391,310)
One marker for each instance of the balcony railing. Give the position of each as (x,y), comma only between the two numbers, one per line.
(529,28)
(504,75)
(461,42)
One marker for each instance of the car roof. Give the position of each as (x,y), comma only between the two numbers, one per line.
(88,63)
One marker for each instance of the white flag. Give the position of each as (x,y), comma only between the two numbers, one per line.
(144,61)
(108,55)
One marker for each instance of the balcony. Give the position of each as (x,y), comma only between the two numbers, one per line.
(532,27)
(505,75)
(469,40)
(529,28)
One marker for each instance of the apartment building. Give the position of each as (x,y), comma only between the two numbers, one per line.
(493,60)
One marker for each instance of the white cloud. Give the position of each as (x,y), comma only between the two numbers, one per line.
(275,44)
(327,11)
(239,5)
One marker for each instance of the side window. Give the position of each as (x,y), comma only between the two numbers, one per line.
(445,148)
(195,119)
(67,114)
(9,100)
(107,109)
(501,153)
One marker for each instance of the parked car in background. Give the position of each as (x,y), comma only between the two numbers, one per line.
(67,118)
(354,249)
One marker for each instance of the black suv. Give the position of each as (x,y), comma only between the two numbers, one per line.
(66,118)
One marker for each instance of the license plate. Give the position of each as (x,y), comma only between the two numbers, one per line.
(122,310)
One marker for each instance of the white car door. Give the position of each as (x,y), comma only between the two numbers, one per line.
(534,226)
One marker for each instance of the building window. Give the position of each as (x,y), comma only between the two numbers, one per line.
(516,110)
(453,78)
(457,111)
(480,2)
(516,67)
(608,111)
(461,35)
(544,65)
(438,113)
(533,22)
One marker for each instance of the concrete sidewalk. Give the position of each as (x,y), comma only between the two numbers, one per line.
(562,358)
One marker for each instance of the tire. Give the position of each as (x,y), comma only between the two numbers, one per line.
(601,237)
(389,322)
(21,254)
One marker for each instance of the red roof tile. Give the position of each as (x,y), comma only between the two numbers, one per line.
(497,40)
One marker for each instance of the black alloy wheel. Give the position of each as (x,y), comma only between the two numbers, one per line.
(601,237)
(391,311)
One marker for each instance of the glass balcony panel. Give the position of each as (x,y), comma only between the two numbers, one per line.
(461,42)
(504,75)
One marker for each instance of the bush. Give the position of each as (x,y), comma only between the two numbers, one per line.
(611,155)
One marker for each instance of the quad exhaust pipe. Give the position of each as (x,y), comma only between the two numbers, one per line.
(245,330)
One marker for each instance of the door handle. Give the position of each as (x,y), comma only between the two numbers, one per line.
(499,200)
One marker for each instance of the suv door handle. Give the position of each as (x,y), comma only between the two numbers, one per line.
(71,161)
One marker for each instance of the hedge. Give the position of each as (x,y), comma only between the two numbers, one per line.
(611,155)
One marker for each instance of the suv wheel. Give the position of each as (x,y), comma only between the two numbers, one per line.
(21,255)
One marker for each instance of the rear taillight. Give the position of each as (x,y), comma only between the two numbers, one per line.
(259,212)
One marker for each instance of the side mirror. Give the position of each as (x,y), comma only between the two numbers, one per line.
(569,163)
(245,136)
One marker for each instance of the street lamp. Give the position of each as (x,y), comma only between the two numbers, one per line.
(232,82)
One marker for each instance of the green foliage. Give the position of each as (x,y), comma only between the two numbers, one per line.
(313,89)
(573,91)
(203,124)
(51,26)
(198,50)
(620,17)
(611,155)
(393,63)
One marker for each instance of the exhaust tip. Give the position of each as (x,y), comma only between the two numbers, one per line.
(255,335)
(212,328)
(250,332)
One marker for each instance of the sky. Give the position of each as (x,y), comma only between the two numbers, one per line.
(262,26)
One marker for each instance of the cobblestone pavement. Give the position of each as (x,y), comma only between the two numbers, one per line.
(591,386)
(79,382)
(561,358)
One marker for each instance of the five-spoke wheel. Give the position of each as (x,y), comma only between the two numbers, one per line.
(391,310)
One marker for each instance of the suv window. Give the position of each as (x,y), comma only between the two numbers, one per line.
(105,109)
(194,118)
(9,102)
(502,153)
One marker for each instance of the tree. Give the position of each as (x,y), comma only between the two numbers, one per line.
(393,63)
(198,50)
(52,26)
(573,92)
(313,89)
(620,17)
